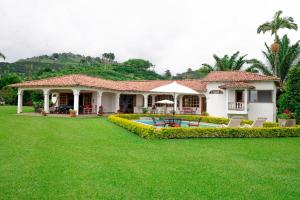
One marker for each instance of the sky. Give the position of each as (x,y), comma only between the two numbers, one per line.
(172,34)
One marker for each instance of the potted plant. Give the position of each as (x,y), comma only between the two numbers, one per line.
(287,118)
(145,110)
(100,112)
(72,113)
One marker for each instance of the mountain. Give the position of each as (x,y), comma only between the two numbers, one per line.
(69,63)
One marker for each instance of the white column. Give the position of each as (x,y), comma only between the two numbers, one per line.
(20,100)
(246,100)
(180,102)
(46,100)
(117,102)
(200,104)
(175,102)
(153,100)
(76,93)
(145,100)
(99,100)
(226,99)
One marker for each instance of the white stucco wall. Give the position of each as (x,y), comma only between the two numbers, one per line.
(139,104)
(216,105)
(108,102)
(94,102)
(267,110)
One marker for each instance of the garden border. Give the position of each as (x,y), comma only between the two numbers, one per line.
(269,130)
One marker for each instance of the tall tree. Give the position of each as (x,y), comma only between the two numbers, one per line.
(2,56)
(278,22)
(108,56)
(227,63)
(280,63)
(168,74)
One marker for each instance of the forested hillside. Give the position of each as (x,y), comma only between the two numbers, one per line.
(68,63)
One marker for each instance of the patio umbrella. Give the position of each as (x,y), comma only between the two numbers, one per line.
(165,101)
(174,88)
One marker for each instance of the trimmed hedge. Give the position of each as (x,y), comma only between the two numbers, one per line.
(145,131)
(142,130)
(229,132)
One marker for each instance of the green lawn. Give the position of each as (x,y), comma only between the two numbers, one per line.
(72,158)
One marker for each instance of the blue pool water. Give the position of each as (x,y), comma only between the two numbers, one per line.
(183,123)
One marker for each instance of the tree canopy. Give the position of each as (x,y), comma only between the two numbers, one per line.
(288,56)
(227,63)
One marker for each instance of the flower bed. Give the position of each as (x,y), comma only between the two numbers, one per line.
(269,130)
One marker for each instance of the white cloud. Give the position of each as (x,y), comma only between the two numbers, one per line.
(173,35)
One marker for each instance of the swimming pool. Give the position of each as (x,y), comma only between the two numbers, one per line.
(183,123)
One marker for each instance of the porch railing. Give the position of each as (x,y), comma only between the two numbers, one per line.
(240,106)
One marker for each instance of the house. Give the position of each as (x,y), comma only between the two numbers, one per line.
(221,94)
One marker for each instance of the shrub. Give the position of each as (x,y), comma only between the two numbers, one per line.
(291,98)
(269,130)
(134,127)
(229,132)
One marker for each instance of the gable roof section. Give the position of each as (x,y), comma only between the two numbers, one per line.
(224,76)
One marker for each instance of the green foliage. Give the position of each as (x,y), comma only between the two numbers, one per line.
(229,132)
(190,74)
(278,64)
(168,75)
(270,129)
(290,100)
(108,57)
(9,95)
(136,128)
(7,79)
(227,63)
(277,23)
(67,63)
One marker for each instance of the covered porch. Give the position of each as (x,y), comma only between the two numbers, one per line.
(84,101)
(185,104)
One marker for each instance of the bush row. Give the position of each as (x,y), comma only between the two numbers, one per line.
(146,131)
(134,127)
(207,119)
(229,132)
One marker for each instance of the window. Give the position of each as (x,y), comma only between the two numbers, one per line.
(163,97)
(190,101)
(260,96)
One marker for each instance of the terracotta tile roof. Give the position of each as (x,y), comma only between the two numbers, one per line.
(224,76)
(70,80)
(87,81)
(148,85)
(236,85)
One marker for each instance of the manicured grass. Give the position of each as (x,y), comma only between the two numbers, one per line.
(72,158)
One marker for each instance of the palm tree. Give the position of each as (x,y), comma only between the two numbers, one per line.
(288,56)
(227,63)
(2,56)
(277,23)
